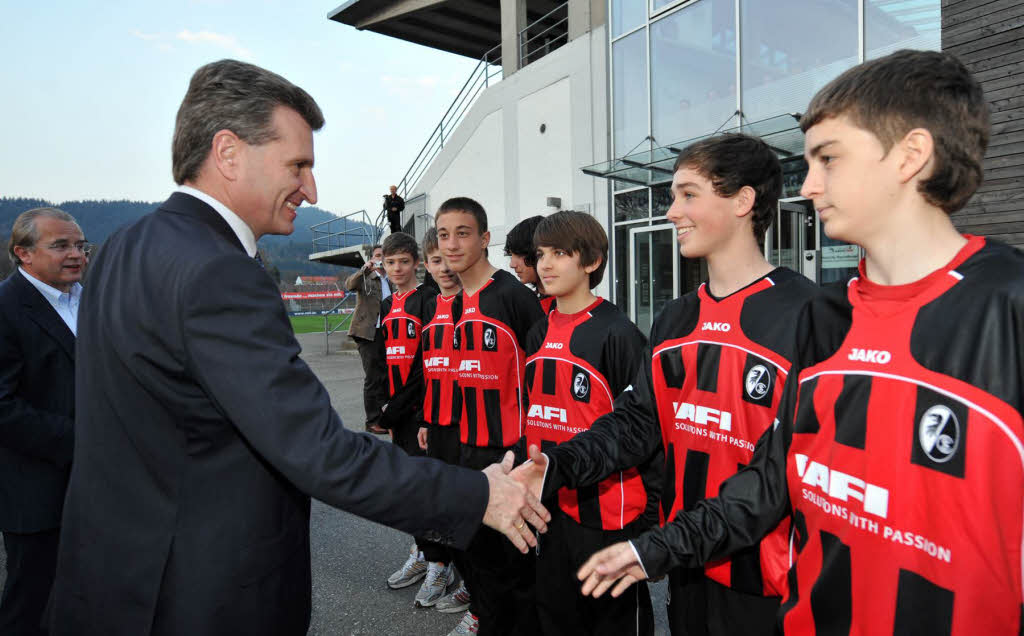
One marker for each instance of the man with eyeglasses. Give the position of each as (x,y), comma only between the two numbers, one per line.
(38,326)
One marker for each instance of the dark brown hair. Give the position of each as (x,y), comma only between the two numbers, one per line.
(430,241)
(400,242)
(732,161)
(576,233)
(892,95)
(519,240)
(467,205)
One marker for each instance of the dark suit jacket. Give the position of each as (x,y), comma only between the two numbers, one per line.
(201,435)
(37,408)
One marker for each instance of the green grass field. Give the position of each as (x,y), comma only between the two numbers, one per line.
(315,324)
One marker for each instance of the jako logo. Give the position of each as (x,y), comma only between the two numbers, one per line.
(469,365)
(553,345)
(547,412)
(442,317)
(875,356)
(437,361)
(470,310)
(716,326)
(843,487)
(395,351)
(703,415)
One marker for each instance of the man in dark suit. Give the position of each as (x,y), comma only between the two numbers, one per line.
(200,433)
(38,320)
(394,205)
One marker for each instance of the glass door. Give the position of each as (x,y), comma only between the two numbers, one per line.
(795,240)
(653,272)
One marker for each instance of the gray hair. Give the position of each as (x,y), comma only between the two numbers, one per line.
(24,232)
(235,96)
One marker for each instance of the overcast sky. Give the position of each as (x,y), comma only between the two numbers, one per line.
(90,90)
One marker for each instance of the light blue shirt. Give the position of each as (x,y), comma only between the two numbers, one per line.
(64,303)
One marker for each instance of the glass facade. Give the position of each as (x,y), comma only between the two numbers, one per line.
(719,64)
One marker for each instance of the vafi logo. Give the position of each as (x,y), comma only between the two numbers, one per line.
(874,356)
(716,326)
(839,485)
(702,415)
(547,413)
(395,351)
(436,361)
(469,365)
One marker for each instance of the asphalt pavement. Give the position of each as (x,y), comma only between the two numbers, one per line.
(352,557)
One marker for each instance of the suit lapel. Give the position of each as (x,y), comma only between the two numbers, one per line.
(41,312)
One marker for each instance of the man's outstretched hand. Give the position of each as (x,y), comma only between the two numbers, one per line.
(617,562)
(510,507)
(531,473)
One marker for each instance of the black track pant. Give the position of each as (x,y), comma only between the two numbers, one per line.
(561,609)
(699,606)
(443,444)
(404,437)
(498,576)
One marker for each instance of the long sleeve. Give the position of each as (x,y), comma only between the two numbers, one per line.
(236,315)
(23,427)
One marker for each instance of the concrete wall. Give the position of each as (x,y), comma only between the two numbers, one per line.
(498,155)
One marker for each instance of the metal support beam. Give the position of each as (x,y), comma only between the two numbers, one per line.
(513,20)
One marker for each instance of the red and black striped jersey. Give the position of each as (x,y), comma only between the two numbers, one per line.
(577,365)
(442,405)
(489,336)
(898,452)
(402,317)
(717,390)
(547,304)
(708,389)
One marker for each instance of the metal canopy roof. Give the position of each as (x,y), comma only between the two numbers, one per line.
(654,166)
(465,27)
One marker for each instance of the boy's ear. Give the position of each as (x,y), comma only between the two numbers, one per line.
(486,238)
(917,149)
(745,201)
(590,269)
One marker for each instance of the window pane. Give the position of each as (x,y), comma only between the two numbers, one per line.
(631,205)
(693,70)
(622,265)
(790,49)
(661,199)
(629,91)
(890,25)
(627,14)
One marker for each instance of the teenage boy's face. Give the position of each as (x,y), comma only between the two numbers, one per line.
(850,178)
(561,272)
(526,274)
(703,219)
(460,240)
(401,268)
(439,270)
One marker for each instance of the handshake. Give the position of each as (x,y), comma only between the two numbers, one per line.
(514,505)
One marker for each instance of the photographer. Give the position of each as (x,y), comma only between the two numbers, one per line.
(393,205)
(371,287)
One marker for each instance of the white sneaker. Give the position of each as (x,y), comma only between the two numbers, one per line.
(435,584)
(469,625)
(457,601)
(414,569)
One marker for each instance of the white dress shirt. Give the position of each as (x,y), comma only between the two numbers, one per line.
(64,303)
(240,227)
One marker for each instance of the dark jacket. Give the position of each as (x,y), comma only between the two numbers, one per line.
(201,435)
(37,408)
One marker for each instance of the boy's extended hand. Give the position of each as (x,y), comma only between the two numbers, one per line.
(510,507)
(617,562)
(421,437)
(531,473)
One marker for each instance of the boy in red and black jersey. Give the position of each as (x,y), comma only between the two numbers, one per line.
(581,357)
(522,258)
(442,407)
(403,315)
(711,380)
(494,315)
(898,447)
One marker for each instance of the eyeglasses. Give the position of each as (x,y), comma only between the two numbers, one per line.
(63,247)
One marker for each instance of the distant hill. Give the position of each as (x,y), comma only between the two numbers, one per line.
(99,219)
